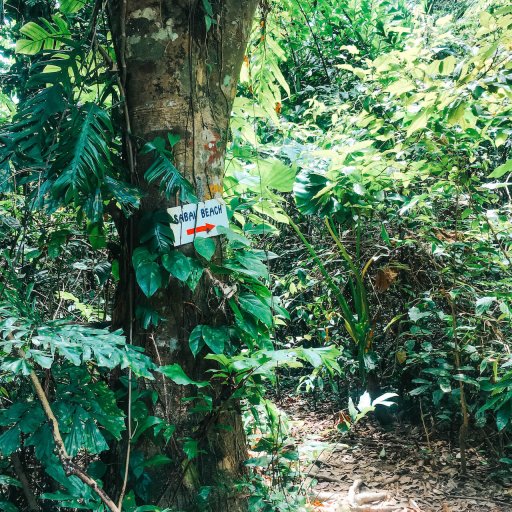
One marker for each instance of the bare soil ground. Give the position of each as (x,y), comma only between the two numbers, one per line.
(374,470)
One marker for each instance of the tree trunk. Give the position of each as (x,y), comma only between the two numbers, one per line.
(180,73)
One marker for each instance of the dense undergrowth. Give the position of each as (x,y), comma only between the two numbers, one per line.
(369,249)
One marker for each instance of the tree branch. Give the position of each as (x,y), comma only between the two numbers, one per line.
(67,462)
(33,506)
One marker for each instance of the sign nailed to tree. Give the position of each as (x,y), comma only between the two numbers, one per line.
(197,220)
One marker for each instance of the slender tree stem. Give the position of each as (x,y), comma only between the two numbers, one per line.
(129,445)
(347,314)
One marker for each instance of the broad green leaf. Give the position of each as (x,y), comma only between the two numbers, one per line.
(16,365)
(97,237)
(415,314)
(149,277)
(71,6)
(156,232)
(42,359)
(215,338)
(147,272)
(176,374)
(145,424)
(205,247)
(419,121)
(93,440)
(501,170)
(195,274)
(255,307)
(74,439)
(9,441)
(38,37)
(401,86)
(276,175)
(177,264)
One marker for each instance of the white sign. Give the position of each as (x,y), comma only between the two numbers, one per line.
(197,220)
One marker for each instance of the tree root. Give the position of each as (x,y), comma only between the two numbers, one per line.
(366,501)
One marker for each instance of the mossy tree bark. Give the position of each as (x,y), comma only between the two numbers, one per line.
(180,77)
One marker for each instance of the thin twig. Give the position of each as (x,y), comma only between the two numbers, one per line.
(129,443)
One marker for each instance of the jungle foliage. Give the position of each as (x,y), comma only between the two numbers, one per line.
(367,181)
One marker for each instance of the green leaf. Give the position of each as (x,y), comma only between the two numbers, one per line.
(312,191)
(7,506)
(419,122)
(501,170)
(190,447)
(16,365)
(147,272)
(502,418)
(124,194)
(275,174)
(483,304)
(208,7)
(195,274)
(157,460)
(145,424)
(74,440)
(177,264)
(255,307)
(173,139)
(38,38)
(42,359)
(196,341)
(93,440)
(10,441)
(176,374)
(84,159)
(205,247)
(461,377)
(8,480)
(149,277)
(97,236)
(147,316)
(142,255)
(208,22)
(71,6)
(156,231)
(415,314)
(215,338)
(419,390)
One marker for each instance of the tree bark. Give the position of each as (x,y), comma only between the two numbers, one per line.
(180,77)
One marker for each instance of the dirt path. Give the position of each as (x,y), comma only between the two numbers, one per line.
(398,470)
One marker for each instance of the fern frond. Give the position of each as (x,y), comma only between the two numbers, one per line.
(83,155)
(163,170)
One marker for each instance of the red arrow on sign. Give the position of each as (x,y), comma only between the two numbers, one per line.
(201,229)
